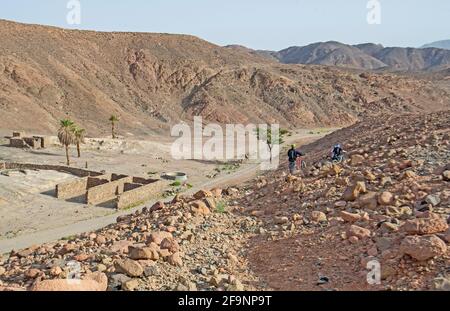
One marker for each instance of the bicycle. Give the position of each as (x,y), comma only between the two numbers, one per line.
(300,163)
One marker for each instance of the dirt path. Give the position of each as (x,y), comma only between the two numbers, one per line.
(93,224)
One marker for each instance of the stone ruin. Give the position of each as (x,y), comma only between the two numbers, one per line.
(121,191)
(94,188)
(19,140)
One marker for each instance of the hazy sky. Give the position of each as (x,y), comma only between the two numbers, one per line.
(259,24)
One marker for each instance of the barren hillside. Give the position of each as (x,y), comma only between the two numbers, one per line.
(153,80)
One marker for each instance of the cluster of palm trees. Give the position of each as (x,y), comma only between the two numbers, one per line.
(71,134)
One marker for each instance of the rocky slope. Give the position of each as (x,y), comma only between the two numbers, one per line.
(155,80)
(388,203)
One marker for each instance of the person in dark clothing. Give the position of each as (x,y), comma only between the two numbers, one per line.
(293,154)
(337,154)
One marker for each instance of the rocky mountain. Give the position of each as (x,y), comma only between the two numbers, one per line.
(444,44)
(153,81)
(367,56)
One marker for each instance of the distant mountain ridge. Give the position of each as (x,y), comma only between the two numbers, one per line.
(367,56)
(443,44)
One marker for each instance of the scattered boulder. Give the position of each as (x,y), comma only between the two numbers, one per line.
(158,236)
(142,253)
(93,282)
(203,194)
(359,232)
(423,248)
(350,217)
(318,216)
(129,267)
(446,175)
(199,208)
(386,198)
(353,192)
(421,226)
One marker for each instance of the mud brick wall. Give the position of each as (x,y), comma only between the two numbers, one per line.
(59,168)
(128,186)
(16,143)
(98,180)
(143,181)
(72,189)
(76,188)
(140,194)
(106,192)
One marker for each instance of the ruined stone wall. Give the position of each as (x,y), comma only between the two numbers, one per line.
(98,180)
(59,168)
(107,191)
(72,189)
(16,143)
(140,194)
(75,188)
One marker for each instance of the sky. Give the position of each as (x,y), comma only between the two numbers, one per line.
(258,24)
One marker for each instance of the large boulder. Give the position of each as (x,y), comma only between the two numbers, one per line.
(129,267)
(423,248)
(92,282)
(353,192)
(421,226)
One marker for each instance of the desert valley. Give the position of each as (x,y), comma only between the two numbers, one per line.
(120,213)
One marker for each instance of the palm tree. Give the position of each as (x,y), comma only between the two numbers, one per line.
(66,135)
(79,135)
(113,119)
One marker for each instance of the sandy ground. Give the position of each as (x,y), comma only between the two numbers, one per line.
(30,214)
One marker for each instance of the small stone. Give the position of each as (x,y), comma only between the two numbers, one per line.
(386,198)
(433,199)
(446,175)
(131,285)
(281,220)
(318,216)
(56,271)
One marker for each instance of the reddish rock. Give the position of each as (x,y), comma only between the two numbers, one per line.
(199,207)
(430,225)
(358,232)
(94,282)
(129,267)
(203,194)
(349,217)
(158,236)
(170,244)
(175,260)
(157,206)
(423,247)
(386,198)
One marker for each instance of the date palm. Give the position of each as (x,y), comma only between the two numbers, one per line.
(66,135)
(79,135)
(113,119)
